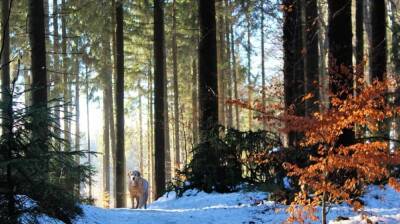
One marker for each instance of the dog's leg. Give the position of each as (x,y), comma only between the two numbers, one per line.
(137,202)
(133,202)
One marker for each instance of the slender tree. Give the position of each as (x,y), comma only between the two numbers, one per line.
(378,54)
(293,64)
(340,63)
(195,106)
(159,94)
(311,61)
(5,66)
(340,55)
(208,89)
(176,89)
(38,68)
(263,100)
(119,101)
(359,38)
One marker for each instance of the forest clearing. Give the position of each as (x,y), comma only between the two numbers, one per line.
(199,111)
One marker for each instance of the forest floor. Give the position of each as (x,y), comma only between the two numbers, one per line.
(382,205)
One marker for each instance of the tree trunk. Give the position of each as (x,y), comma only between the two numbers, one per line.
(293,63)
(159,95)
(119,101)
(67,132)
(340,58)
(263,98)
(176,88)
(359,39)
(221,67)
(311,58)
(229,112)
(195,106)
(378,52)
(5,68)
(234,77)
(88,128)
(56,65)
(106,143)
(249,82)
(140,129)
(77,124)
(38,69)
(150,152)
(7,123)
(208,88)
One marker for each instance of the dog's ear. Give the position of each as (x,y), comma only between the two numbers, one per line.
(129,173)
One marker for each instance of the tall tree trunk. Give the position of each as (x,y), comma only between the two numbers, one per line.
(221,67)
(378,52)
(151,134)
(6,96)
(67,131)
(263,97)
(176,88)
(159,98)
(56,65)
(311,61)
(106,143)
(112,95)
(249,82)
(39,76)
(77,123)
(195,106)
(293,62)
(359,39)
(229,112)
(395,44)
(88,128)
(340,58)
(119,101)
(5,67)
(140,129)
(106,74)
(208,88)
(234,77)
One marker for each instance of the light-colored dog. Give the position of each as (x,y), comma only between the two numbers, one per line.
(139,189)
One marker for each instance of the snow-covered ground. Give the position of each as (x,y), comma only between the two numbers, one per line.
(382,206)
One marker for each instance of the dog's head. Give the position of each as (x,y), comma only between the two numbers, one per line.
(133,175)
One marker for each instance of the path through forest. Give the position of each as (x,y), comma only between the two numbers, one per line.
(382,206)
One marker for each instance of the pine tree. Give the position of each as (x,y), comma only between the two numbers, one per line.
(119,101)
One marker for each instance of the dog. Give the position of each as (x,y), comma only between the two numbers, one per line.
(138,189)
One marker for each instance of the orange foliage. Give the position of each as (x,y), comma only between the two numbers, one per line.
(369,158)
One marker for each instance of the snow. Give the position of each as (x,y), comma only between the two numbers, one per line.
(382,206)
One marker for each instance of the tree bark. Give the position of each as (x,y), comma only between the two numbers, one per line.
(159,95)
(221,67)
(38,69)
(77,124)
(88,128)
(140,129)
(195,104)
(56,65)
(311,58)
(359,39)
(208,88)
(5,67)
(293,63)
(340,56)
(119,101)
(249,82)
(378,48)
(66,91)
(176,87)
(234,77)
(263,97)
